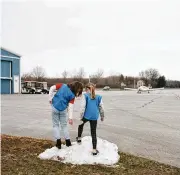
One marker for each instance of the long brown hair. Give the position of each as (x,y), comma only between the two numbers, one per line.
(91,87)
(76,87)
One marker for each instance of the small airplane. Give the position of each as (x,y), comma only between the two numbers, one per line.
(143,89)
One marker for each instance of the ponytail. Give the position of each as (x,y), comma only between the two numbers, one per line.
(92,87)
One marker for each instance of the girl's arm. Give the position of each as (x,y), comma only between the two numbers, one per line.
(83,106)
(51,92)
(70,109)
(101,110)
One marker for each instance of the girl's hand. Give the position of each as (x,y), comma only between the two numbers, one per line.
(70,121)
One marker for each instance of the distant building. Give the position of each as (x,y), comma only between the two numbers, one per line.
(149,86)
(123,85)
(10,72)
(140,83)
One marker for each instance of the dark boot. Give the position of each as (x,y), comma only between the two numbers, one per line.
(95,153)
(58,143)
(78,140)
(68,142)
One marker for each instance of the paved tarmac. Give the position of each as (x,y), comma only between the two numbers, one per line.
(146,125)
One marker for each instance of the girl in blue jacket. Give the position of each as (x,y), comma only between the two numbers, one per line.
(62,102)
(92,107)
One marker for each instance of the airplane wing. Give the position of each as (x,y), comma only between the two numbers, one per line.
(130,89)
(154,89)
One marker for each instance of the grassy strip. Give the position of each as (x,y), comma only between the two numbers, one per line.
(19,156)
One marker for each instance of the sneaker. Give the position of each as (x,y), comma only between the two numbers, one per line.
(58,143)
(95,153)
(78,140)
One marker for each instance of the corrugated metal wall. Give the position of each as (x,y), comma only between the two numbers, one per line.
(10,67)
(5,86)
(5,68)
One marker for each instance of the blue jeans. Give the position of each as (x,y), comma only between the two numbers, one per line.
(59,118)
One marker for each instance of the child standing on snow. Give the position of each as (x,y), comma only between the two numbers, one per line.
(92,106)
(62,102)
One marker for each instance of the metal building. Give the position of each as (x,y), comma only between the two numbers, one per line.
(10,72)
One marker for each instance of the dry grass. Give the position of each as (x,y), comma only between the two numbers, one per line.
(19,156)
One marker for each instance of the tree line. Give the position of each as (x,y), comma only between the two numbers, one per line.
(151,77)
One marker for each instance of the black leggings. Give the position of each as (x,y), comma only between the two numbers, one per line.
(93,125)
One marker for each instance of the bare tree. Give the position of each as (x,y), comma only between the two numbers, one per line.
(38,73)
(121,78)
(106,82)
(65,75)
(79,75)
(27,77)
(142,74)
(114,79)
(143,77)
(150,76)
(153,75)
(97,75)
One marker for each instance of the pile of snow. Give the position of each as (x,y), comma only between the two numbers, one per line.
(81,153)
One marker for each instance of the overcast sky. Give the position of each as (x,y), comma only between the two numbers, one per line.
(124,36)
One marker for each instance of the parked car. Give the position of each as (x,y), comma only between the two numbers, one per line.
(44,91)
(106,88)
